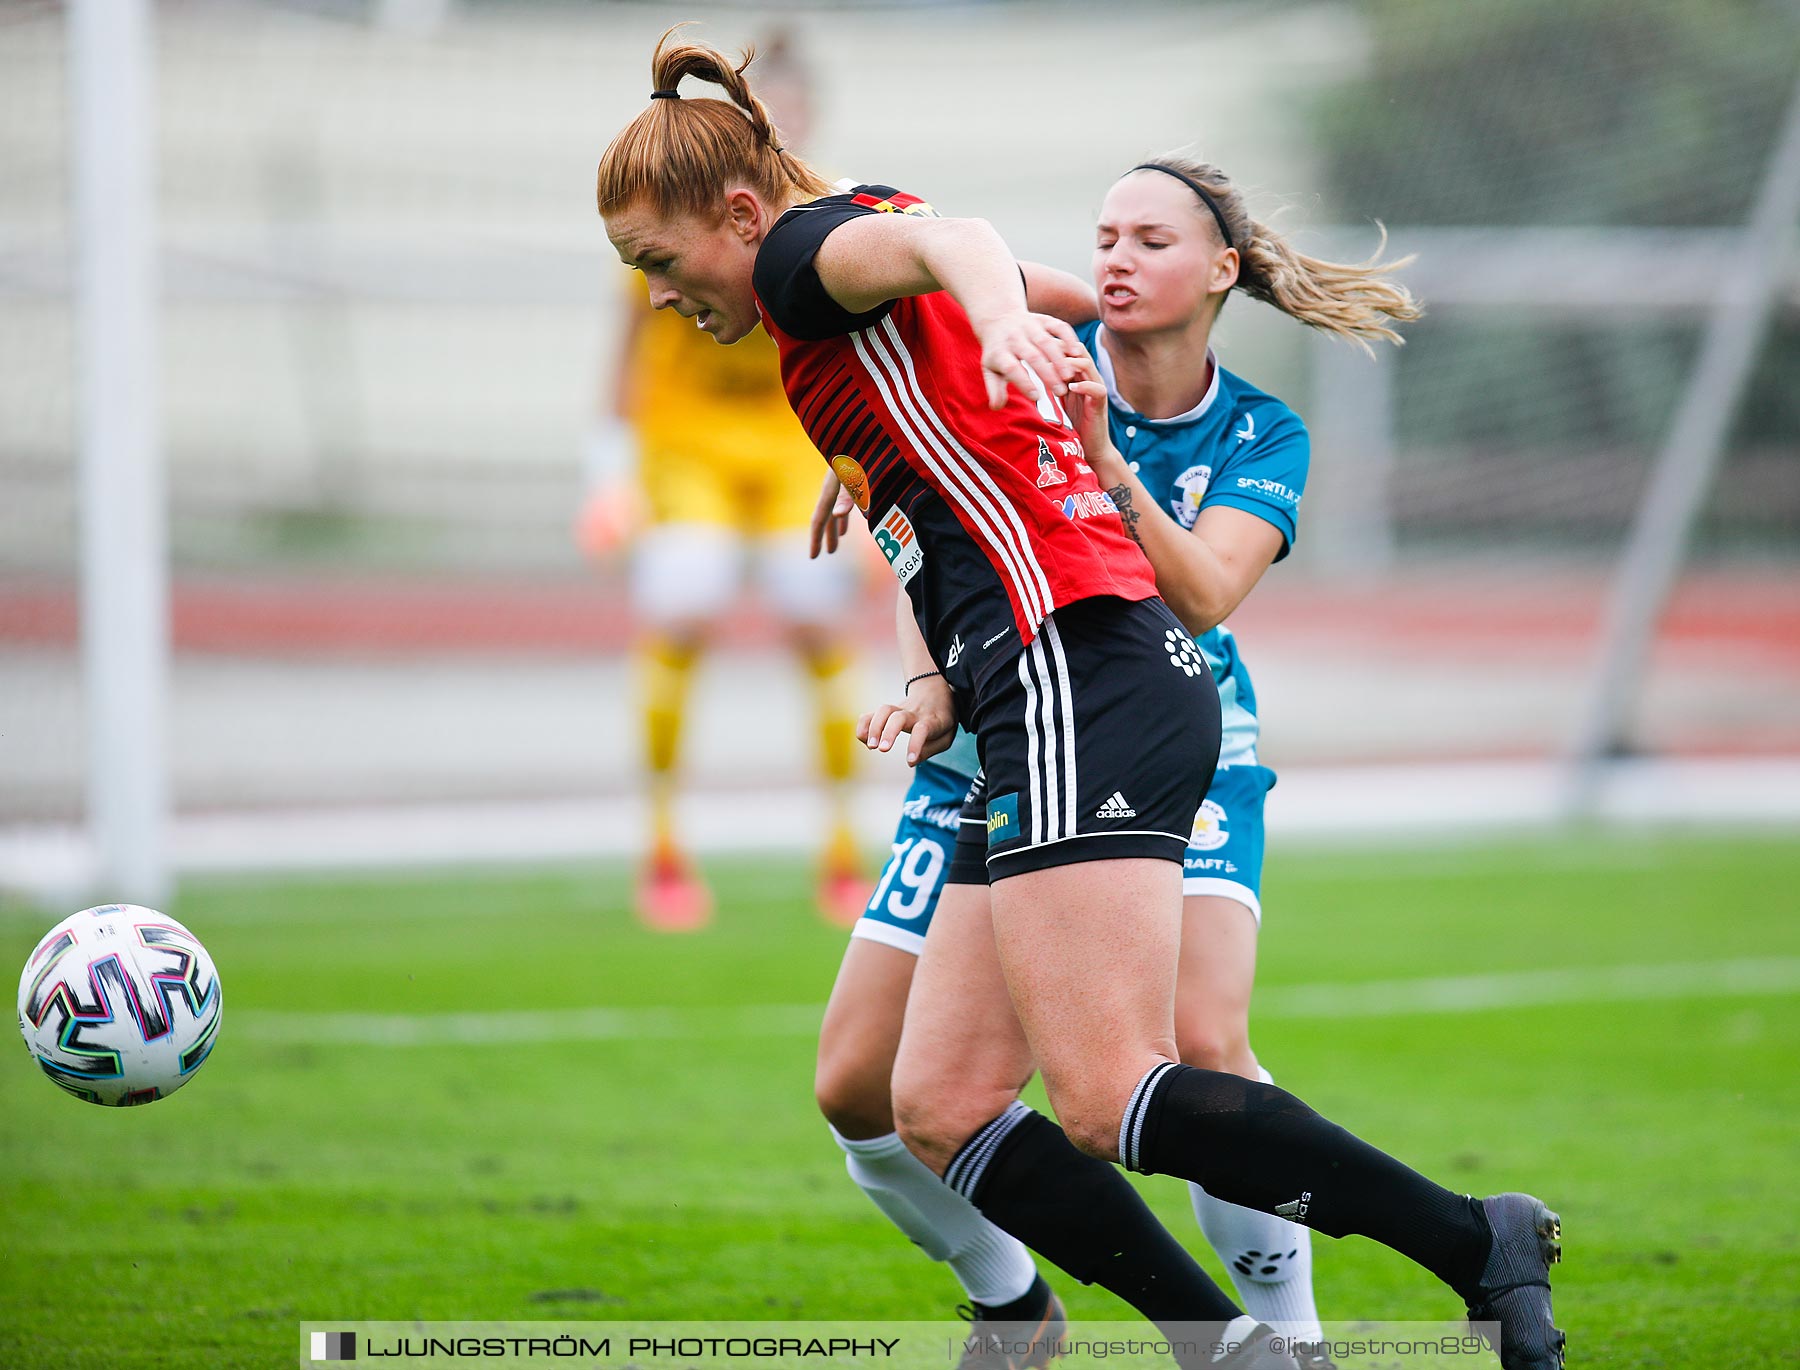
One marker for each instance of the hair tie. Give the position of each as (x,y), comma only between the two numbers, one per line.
(1197,188)
(665,95)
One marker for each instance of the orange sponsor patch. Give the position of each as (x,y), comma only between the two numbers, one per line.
(854,479)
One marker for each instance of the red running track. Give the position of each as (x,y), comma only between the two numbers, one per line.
(1746,619)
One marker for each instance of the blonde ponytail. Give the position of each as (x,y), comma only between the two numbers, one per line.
(1356,301)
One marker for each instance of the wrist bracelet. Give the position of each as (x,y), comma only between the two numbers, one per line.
(922,675)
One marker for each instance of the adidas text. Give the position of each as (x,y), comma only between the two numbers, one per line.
(1295,1211)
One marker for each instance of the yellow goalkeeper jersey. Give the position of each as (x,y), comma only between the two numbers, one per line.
(717,440)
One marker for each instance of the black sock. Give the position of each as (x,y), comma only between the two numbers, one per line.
(1026,1308)
(1028,1179)
(1258,1146)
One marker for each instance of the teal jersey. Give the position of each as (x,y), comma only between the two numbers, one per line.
(1239,448)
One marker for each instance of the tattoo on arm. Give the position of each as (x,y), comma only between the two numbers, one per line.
(1121,496)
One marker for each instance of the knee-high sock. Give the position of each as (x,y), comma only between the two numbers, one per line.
(1253,1144)
(1269,1259)
(1024,1174)
(665,671)
(992,1267)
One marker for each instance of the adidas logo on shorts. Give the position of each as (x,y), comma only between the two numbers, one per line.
(1116,807)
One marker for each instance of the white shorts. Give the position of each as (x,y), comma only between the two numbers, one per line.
(691,572)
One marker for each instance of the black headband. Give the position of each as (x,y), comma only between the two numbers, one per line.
(665,95)
(1197,188)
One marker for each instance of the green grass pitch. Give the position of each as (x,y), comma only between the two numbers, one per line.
(686,1173)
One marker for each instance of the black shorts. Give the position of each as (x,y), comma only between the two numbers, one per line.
(1099,745)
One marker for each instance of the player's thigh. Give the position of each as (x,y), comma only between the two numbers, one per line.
(963,1057)
(1089,954)
(1222,888)
(861,1032)
(684,573)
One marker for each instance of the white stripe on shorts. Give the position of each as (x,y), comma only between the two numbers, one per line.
(1070,787)
(1032,747)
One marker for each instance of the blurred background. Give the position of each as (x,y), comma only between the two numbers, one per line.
(1550,561)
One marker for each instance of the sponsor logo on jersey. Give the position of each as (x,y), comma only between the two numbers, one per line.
(1049,473)
(1087,504)
(1191,484)
(1248,432)
(854,479)
(1221,865)
(898,542)
(1183,654)
(995,638)
(1209,827)
(1003,818)
(954,655)
(1269,487)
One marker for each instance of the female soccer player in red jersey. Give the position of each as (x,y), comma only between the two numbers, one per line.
(915,367)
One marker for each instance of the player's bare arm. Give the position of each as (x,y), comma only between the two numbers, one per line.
(868,261)
(1202,575)
(1060,294)
(927,714)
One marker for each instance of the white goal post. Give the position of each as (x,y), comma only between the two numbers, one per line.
(124,559)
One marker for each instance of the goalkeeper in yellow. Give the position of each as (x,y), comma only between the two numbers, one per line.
(703,467)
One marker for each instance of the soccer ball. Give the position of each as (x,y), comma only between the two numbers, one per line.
(119,1004)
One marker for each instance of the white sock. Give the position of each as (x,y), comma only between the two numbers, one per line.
(1270,1260)
(992,1267)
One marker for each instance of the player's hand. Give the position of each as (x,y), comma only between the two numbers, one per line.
(830,516)
(927,717)
(1087,406)
(1033,353)
(609,516)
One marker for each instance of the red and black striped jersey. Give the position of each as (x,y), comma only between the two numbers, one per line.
(990,518)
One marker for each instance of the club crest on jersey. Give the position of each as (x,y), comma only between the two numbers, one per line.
(898,542)
(1209,827)
(854,479)
(1190,486)
(1049,473)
